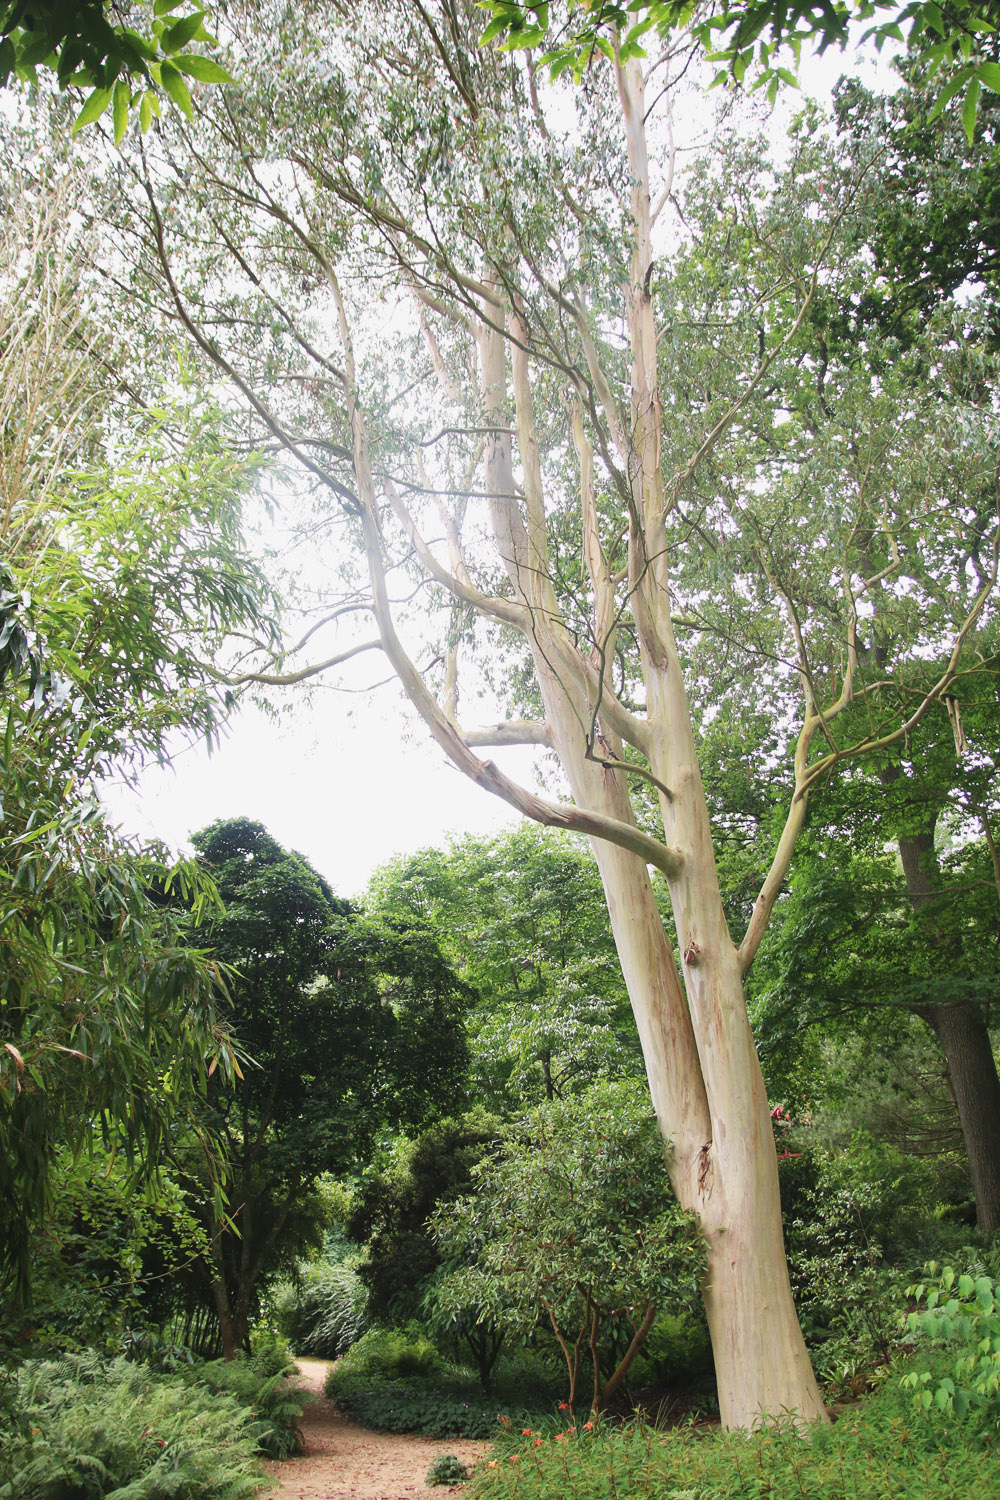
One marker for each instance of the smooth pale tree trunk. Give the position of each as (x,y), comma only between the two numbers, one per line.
(965,1042)
(705,1078)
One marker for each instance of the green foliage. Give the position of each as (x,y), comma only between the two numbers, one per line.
(88,45)
(395,1381)
(323,1311)
(961,1309)
(761,40)
(125,573)
(879,1447)
(522,917)
(391,1353)
(573,1224)
(677,1353)
(264,1384)
(100,1257)
(349,1024)
(391,1208)
(447,1469)
(109,1017)
(91,1429)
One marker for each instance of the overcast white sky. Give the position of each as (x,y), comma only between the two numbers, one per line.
(349,780)
(348,793)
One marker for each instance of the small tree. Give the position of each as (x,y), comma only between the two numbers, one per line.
(574,1224)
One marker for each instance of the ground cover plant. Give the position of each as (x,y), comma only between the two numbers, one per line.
(882,1448)
(397,1381)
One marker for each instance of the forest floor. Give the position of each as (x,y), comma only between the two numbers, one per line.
(343,1461)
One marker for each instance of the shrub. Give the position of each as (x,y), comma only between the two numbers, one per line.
(391,1208)
(962,1310)
(391,1353)
(848,1215)
(573,1227)
(93,1429)
(323,1313)
(447,1469)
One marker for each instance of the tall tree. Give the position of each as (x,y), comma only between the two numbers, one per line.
(124,574)
(582,452)
(314,1012)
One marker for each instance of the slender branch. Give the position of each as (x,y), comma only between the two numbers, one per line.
(287,679)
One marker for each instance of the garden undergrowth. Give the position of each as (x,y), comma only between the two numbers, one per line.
(882,1449)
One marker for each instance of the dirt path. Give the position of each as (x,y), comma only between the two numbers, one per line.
(345,1462)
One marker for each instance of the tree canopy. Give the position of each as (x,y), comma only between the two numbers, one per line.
(760,41)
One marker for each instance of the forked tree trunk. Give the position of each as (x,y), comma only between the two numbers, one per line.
(705,1078)
(701,1062)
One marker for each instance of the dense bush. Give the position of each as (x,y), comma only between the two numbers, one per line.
(322,1313)
(879,1450)
(854,1222)
(88,1429)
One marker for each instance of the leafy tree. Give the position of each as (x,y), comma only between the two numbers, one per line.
(122,580)
(604,465)
(937,225)
(391,1208)
(521,916)
(573,1223)
(750,36)
(315,1008)
(89,45)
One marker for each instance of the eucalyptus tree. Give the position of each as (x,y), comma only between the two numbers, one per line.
(454,310)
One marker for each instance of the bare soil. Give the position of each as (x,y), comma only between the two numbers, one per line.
(343,1461)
